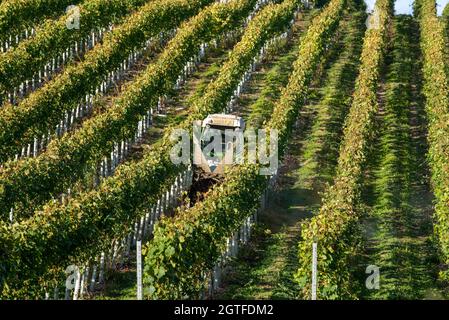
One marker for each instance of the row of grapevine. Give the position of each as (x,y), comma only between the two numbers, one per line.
(146,221)
(54,66)
(436,92)
(169,200)
(117,252)
(186,247)
(43,110)
(83,228)
(397,168)
(142,228)
(276,76)
(16,16)
(335,226)
(321,150)
(90,102)
(67,159)
(54,37)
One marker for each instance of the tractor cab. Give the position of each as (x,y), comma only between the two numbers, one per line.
(215,126)
(209,163)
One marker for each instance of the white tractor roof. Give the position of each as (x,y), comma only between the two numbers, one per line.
(224,120)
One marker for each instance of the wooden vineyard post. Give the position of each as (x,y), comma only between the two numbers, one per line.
(314,270)
(139,270)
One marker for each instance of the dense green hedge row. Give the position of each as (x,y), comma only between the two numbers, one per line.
(18,15)
(436,91)
(87,223)
(42,110)
(53,37)
(186,247)
(66,160)
(334,228)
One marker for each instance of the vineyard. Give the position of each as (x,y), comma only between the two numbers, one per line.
(332,184)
